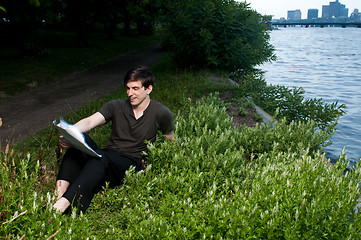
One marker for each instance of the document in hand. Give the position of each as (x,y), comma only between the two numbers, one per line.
(75,137)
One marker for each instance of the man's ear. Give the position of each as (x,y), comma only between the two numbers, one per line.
(149,89)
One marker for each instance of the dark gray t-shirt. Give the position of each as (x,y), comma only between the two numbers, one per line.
(128,134)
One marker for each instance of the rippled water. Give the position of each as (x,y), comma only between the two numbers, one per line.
(326,63)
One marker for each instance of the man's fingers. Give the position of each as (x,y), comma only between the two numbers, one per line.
(64,143)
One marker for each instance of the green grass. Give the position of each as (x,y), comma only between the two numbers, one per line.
(58,57)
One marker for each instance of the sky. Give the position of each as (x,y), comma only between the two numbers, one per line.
(279,8)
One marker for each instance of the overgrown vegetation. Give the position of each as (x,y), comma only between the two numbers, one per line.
(26,213)
(288,103)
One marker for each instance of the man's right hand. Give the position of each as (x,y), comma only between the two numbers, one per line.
(64,143)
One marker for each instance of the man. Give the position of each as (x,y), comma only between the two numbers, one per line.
(133,121)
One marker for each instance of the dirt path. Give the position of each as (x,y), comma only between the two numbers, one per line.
(27,113)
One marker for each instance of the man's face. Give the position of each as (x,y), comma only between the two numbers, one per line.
(137,94)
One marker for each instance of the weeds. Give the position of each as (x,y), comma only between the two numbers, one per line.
(242,111)
(24,212)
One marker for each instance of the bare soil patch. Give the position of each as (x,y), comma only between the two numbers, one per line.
(238,120)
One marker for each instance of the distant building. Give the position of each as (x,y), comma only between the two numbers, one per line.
(326,11)
(334,10)
(312,14)
(355,16)
(294,15)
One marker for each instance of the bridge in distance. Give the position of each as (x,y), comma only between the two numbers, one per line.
(317,24)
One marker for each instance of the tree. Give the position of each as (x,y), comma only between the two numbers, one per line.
(144,13)
(223,34)
(24,17)
(109,13)
(79,14)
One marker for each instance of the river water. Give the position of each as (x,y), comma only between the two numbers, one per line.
(326,63)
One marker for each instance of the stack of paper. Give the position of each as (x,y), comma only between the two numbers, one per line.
(75,137)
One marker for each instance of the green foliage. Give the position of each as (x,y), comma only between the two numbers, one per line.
(216,33)
(282,137)
(250,82)
(258,117)
(24,212)
(249,104)
(284,102)
(202,187)
(242,111)
(291,104)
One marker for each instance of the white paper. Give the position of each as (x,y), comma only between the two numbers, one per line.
(75,137)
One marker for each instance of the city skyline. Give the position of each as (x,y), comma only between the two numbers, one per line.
(279,8)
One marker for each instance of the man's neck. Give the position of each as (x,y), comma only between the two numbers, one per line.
(138,110)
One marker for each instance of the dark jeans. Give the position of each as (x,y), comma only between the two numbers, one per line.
(87,174)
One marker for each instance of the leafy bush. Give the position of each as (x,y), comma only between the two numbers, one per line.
(202,187)
(282,137)
(284,102)
(216,33)
(291,104)
(250,82)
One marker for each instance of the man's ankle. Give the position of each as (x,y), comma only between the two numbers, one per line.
(61,205)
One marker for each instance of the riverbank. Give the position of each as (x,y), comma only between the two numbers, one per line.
(325,63)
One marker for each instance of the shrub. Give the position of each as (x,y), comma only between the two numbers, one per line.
(250,82)
(290,103)
(216,33)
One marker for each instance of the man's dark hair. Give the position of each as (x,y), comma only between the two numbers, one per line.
(141,73)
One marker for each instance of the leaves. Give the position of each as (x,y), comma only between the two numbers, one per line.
(219,34)
(291,104)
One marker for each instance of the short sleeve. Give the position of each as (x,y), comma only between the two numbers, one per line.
(165,121)
(107,110)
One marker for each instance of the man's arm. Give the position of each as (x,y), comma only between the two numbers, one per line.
(84,125)
(87,124)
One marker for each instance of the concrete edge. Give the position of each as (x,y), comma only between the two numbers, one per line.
(267,118)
